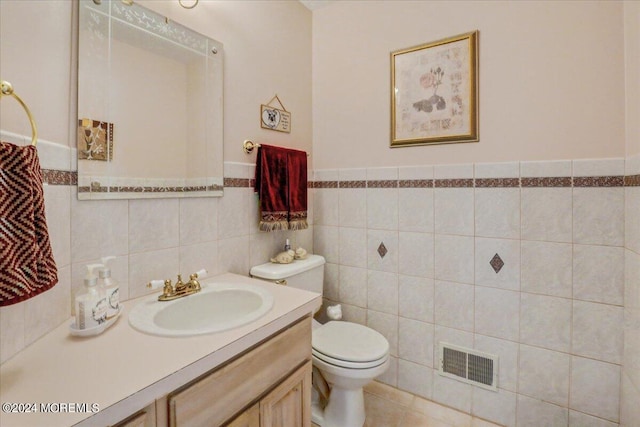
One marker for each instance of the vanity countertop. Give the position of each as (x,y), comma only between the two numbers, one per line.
(122,370)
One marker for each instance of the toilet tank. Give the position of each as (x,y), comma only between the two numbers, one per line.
(307,274)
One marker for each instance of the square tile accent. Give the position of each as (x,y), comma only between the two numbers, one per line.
(382,250)
(496,263)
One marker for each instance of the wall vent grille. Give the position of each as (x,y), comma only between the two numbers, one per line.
(469,366)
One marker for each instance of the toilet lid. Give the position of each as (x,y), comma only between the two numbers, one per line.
(349,342)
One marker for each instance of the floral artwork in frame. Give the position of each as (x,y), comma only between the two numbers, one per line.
(434,92)
(95,140)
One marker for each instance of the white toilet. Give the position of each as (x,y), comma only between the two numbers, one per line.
(348,355)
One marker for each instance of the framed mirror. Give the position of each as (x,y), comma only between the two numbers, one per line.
(149,105)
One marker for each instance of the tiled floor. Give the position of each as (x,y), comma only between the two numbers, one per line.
(390,407)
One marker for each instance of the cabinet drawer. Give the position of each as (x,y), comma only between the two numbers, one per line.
(218,396)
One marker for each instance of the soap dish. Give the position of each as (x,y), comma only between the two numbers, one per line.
(96,329)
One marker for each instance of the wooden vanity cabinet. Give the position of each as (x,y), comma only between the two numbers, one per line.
(284,406)
(268,386)
(143,418)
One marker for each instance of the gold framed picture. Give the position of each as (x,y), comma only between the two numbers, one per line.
(434,92)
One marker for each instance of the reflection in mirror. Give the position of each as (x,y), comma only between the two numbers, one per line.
(149,106)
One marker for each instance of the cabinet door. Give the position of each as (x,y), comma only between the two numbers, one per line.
(289,404)
(144,418)
(249,418)
(217,397)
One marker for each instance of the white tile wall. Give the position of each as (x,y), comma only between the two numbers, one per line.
(508,276)
(595,388)
(454,305)
(382,292)
(596,331)
(569,258)
(630,378)
(497,312)
(497,212)
(382,208)
(454,258)
(546,268)
(415,378)
(598,216)
(454,209)
(592,282)
(545,321)
(415,253)
(556,302)
(544,374)
(546,214)
(498,406)
(415,341)
(535,413)
(415,298)
(416,209)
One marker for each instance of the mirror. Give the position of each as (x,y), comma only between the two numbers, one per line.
(149,105)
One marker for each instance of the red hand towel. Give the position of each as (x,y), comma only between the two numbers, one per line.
(27,267)
(297,172)
(271,184)
(281,184)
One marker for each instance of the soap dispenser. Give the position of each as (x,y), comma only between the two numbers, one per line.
(110,287)
(91,306)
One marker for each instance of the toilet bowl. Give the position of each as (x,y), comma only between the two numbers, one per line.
(347,355)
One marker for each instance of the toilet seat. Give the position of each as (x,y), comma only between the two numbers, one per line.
(346,364)
(349,345)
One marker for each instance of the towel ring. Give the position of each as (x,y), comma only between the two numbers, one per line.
(7,89)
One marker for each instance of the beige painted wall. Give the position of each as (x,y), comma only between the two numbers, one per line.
(551,79)
(632,81)
(267,52)
(267,47)
(35,56)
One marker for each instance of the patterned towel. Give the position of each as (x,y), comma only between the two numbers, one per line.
(27,267)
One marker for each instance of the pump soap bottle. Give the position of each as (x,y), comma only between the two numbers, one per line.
(110,287)
(91,306)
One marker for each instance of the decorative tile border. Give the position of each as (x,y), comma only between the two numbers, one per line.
(632,181)
(59,177)
(386,183)
(598,181)
(415,183)
(238,182)
(525,182)
(352,184)
(145,189)
(323,184)
(497,182)
(453,183)
(56,177)
(546,182)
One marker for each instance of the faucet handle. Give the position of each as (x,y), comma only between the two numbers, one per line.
(155,284)
(193,282)
(201,274)
(168,289)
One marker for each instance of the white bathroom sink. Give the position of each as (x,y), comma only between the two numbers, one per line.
(217,307)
